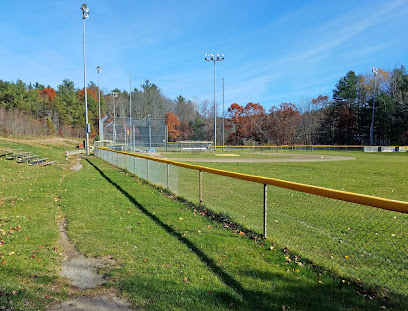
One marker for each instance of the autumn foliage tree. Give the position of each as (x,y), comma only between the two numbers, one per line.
(281,124)
(173,125)
(48,93)
(89,91)
(244,123)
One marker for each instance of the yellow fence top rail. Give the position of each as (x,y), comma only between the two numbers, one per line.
(392,205)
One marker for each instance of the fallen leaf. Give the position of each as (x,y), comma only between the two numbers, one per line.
(187,281)
(3,262)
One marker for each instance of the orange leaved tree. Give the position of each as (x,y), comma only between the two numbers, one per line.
(173,125)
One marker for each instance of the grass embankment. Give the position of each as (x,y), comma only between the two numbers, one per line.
(29,255)
(171,258)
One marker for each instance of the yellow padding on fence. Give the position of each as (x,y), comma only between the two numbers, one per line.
(392,205)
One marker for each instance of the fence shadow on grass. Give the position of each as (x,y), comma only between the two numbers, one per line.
(302,294)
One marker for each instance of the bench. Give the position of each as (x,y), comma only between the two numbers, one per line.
(38,161)
(49,163)
(11,156)
(23,155)
(195,149)
(28,158)
(14,154)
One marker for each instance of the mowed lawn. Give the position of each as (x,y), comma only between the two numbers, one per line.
(378,174)
(167,256)
(29,253)
(360,242)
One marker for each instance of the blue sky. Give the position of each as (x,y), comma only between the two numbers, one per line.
(275,51)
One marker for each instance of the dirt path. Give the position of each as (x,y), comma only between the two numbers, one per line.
(82,272)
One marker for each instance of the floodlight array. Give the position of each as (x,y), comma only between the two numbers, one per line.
(214,58)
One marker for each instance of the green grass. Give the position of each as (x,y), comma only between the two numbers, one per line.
(29,257)
(224,155)
(379,174)
(168,257)
(171,258)
(355,241)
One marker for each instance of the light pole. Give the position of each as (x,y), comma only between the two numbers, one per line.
(130,112)
(223,116)
(214,58)
(99,105)
(375,72)
(114,95)
(85,14)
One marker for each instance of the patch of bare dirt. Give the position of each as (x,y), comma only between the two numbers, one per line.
(107,302)
(77,166)
(80,270)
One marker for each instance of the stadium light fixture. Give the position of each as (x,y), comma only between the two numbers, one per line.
(375,72)
(214,58)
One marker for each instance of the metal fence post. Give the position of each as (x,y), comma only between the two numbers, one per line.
(265,211)
(148,170)
(168,173)
(200,187)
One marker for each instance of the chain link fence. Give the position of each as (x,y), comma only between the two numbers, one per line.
(135,134)
(286,148)
(364,243)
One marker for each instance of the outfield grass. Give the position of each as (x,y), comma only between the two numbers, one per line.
(215,155)
(379,174)
(171,258)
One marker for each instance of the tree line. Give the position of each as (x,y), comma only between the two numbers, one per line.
(344,118)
